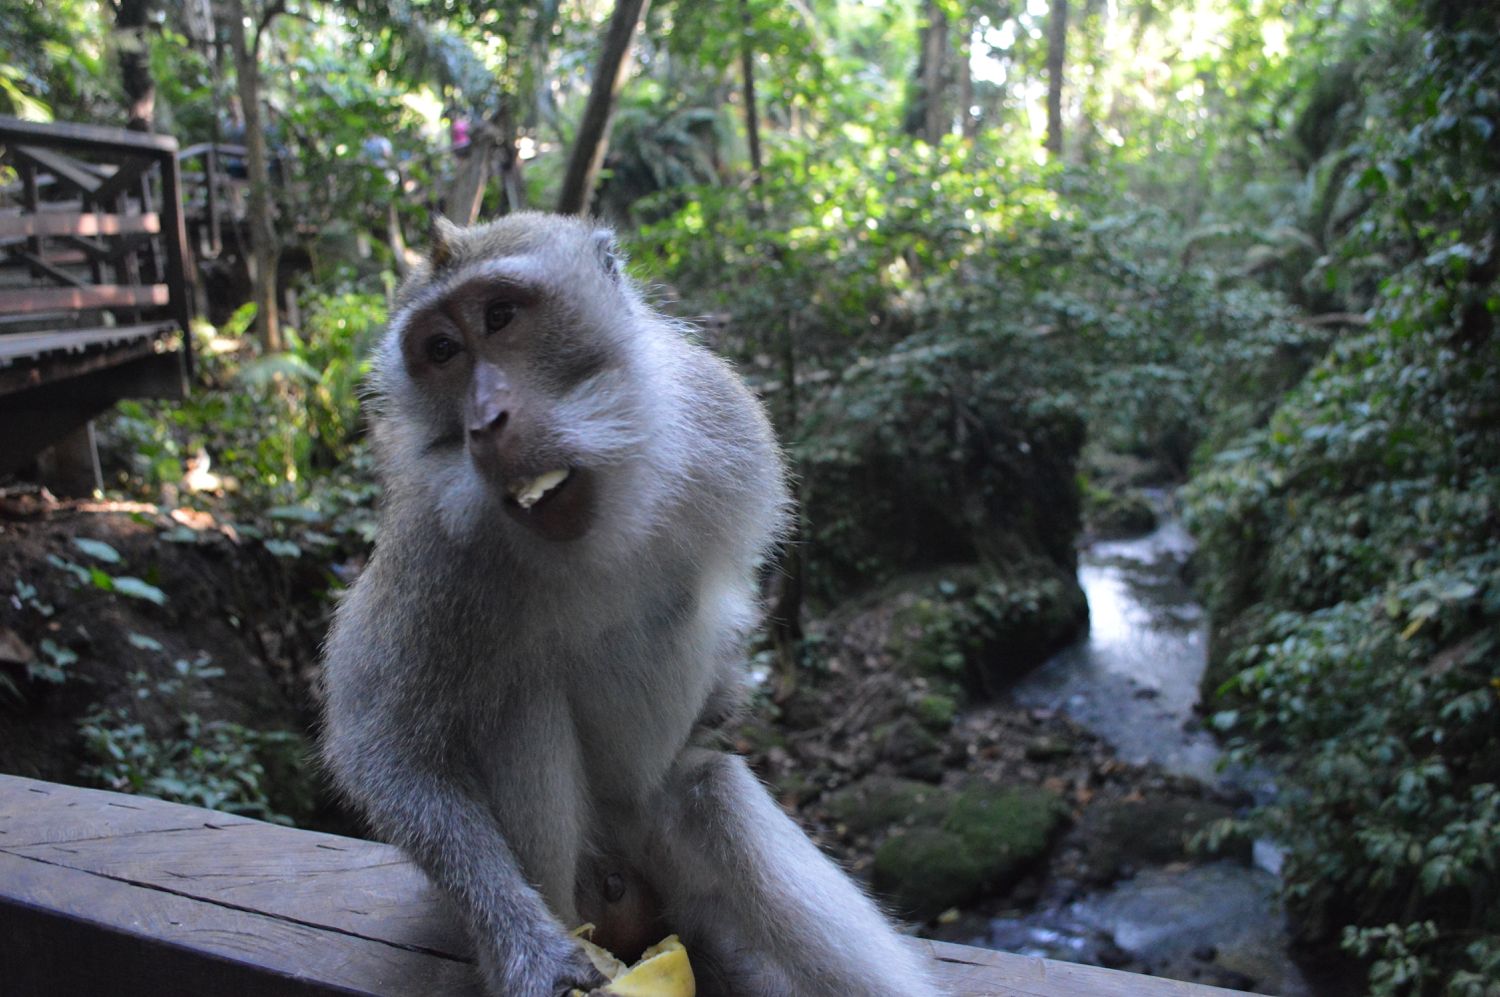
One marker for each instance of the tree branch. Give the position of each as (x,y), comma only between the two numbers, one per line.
(274,8)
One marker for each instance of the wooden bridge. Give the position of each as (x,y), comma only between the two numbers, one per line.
(104,893)
(95,298)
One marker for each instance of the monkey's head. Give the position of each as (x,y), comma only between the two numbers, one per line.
(517,382)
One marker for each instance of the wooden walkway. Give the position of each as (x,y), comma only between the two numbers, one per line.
(105,893)
(95,300)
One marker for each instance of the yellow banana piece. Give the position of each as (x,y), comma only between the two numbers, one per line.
(663,969)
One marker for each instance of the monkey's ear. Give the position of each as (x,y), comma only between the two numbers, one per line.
(444,239)
(611,257)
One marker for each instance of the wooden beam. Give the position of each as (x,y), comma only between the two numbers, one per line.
(168,899)
(70,136)
(17,345)
(130,172)
(63,167)
(48,299)
(83,224)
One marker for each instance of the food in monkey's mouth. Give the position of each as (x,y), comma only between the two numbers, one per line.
(529,493)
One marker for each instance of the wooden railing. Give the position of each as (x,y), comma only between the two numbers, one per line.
(94,294)
(104,893)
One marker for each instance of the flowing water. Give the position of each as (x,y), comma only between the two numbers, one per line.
(1134,682)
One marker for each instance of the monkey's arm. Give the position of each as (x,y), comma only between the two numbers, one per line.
(770,914)
(522,949)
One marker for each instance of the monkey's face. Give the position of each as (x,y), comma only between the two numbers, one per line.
(510,379)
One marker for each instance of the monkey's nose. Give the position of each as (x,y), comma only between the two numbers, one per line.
(488,421)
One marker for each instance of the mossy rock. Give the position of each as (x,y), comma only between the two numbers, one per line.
(936,711)
(1121,837)
(1120,514)
(927,870)
(879,802)
(985,629)
(987,839)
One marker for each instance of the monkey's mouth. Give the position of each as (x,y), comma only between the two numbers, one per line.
(557,504)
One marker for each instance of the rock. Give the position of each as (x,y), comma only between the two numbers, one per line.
(878,802)
(1118,838)
(1120,514)
(983,628)
(987,840)
(936,711)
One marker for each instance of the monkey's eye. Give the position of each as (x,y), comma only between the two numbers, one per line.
(498,315)
(441,349)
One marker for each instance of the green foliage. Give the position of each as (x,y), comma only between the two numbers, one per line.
(52,62)
(126,585)
(216,764)
(282,430)
(1349,546)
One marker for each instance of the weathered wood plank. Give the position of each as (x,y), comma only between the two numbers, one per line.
(972,972)
(80,223)
(33,812)
(19,346)
(294,911)
(70,932)
(92,137)
(50,299)
(342,884)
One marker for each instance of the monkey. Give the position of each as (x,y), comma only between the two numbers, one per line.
(522,688)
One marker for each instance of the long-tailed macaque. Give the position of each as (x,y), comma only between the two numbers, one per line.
(521,684)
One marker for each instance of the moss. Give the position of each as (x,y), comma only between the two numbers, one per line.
(985,840)
(1009,828)
(936,711)
(925,871)
(878,802)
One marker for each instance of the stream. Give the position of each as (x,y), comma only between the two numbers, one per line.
(1133,681)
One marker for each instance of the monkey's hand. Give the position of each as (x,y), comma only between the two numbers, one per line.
(544,963)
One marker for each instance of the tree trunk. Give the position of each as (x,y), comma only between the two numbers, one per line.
(926,115)
(131,18)
(464,197)
(747,82)
(262,220)
(492,149)
(1057,41)
(968,120)
(593,131)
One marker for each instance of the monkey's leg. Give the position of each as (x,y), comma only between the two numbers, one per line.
(769,914)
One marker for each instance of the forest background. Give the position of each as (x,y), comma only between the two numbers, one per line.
(986,261)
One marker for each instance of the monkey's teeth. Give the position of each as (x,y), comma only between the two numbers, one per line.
(529,493)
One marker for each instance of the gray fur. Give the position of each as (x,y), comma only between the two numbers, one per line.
(509,709)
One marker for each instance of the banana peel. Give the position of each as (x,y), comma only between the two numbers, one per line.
(662,971)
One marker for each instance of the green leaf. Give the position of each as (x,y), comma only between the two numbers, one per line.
(283,548)
(137,589)
(295,513)
(144,643)
(98,550)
